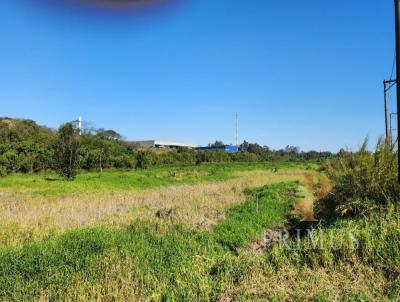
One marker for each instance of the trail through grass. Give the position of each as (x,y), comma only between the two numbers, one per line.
(134,256)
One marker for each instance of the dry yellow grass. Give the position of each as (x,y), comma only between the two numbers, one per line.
(195,205)
(307,284)
(316,186)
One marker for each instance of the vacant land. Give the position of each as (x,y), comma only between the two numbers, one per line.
(49,184)
(32,207)
(170,234)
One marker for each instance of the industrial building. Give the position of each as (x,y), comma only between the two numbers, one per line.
(227,148)
(163,144)
(171,144)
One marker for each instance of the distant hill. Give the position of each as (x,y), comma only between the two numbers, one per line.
(16,130)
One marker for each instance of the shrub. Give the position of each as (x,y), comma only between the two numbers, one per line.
(3,171)
(143,159)
(245,157)
(363,180)
(212,156)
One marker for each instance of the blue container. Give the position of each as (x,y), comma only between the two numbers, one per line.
(227,148)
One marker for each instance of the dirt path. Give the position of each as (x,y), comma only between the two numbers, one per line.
(304,207)
(314,186)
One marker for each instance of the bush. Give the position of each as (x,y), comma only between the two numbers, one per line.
(212,156)
(143,159)
(245,157)
(3,171)
(363,180)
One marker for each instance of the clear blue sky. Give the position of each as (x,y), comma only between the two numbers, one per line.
(306,73)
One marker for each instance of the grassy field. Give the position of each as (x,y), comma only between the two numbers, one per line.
(49,184)
(158,260)
(185,234)
(28,215)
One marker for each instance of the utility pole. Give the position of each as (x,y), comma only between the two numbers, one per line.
(391,127)
(397,20)
(237,132)
(387,85)
(386,111)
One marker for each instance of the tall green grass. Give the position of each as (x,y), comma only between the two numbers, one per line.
(364,180)
(162,262)
(247,221)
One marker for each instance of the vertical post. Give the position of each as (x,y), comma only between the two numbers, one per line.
(257,203)
(397,19)
(237,132)
(386,111)
(390,128)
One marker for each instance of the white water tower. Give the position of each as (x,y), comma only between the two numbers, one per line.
(80,125)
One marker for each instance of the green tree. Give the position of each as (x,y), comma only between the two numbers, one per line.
(244,145)
(109,135)
(67,148)
(256,149)
(217,144)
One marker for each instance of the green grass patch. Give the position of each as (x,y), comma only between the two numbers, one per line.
(264,209)
(374,239)
(119,180)
(160,261)
(166,262)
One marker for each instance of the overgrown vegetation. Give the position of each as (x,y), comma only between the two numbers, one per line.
(27,147)
(351,254)
(348,256)
(359,227)
(364,181)
(345,258)
(154,261)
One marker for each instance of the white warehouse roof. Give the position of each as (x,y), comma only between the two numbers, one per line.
(163,144)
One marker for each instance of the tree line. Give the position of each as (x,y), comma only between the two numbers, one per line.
(26,147)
